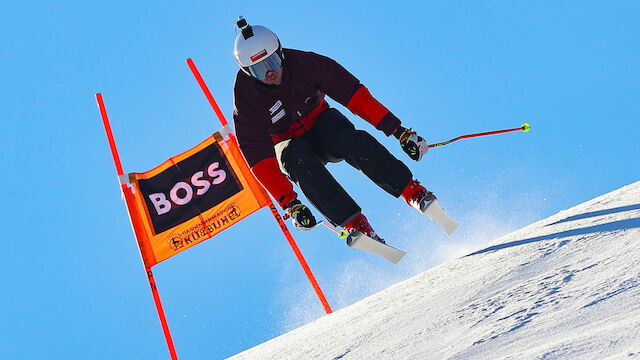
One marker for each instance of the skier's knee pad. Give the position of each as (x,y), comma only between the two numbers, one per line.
(293,155)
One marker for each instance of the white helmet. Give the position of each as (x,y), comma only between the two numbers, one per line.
(257,50)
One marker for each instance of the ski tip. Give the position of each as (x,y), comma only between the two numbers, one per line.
(397,258)
(360,241)
(452,228)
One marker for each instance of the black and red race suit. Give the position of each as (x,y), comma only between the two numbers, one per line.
(289,129)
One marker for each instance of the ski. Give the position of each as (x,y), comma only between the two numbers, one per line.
(360,241)
(437,214)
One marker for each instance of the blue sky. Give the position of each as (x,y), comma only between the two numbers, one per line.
(73,284)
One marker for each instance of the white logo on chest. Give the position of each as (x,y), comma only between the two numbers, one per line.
(273,110)
(278,116)
(275,107)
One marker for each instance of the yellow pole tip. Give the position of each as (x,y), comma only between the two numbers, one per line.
(525,127)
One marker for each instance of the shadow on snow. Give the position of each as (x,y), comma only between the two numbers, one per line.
(598,213)
(612,226)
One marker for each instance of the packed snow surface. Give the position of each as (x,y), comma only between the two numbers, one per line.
(565,287)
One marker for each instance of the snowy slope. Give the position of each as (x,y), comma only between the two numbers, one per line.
(563,287)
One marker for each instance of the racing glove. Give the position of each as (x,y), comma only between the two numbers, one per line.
(412,144)
(300,215)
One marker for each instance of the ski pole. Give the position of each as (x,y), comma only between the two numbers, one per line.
(525,127)
(342,234)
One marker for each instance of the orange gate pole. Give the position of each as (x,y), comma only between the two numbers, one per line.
(128,196)
(274,210)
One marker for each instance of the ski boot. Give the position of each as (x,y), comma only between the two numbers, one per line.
(418,197)
(361,224)
(424,201)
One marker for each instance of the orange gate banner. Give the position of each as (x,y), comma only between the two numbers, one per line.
(192,197)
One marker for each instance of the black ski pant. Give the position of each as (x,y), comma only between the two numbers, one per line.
(333,139)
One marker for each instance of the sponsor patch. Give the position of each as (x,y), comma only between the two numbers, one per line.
(275,107)
(259,55)
(278,116)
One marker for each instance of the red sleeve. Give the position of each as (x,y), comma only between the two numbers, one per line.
(363,104)
(268,173)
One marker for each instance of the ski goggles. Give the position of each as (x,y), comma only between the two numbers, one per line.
(259,70)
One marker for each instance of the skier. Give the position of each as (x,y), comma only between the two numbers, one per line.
(286,128)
